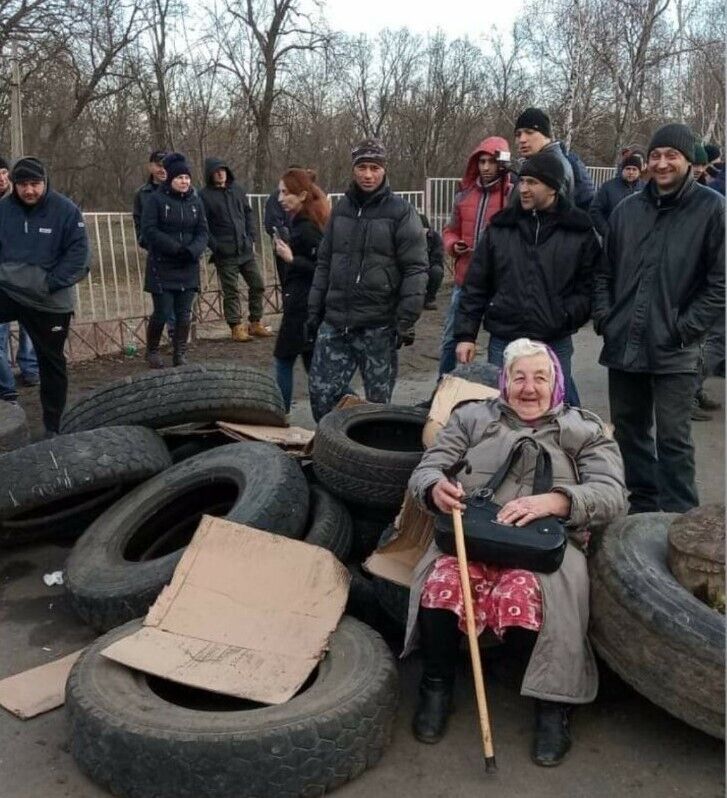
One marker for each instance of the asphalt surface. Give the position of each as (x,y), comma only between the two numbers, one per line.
(623,745)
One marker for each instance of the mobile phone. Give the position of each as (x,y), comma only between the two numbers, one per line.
(282,233)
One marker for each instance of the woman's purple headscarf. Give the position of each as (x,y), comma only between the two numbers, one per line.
(557,395)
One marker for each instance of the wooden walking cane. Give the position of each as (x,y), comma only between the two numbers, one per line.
(464,576)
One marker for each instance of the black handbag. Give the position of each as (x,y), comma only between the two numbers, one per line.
(539,546)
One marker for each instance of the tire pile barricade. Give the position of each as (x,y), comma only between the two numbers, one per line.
(132,492)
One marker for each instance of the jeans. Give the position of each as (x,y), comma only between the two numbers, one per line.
(173,305)
(660,473)
(48,332)
(563,348)
(284,375)
(449,345)
(25,358)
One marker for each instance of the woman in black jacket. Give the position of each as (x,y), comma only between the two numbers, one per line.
(309,209)
(174,226)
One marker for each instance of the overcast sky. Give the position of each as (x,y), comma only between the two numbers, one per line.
(455,17)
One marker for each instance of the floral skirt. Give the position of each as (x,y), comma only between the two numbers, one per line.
(502,597)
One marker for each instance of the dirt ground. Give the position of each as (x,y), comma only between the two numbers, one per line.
(623,745)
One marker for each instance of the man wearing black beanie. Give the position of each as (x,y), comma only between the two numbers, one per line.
(533,134)
(531,275)
(659,288)
(626,183)
(44,253)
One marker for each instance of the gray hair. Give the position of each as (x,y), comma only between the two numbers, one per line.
(524,347)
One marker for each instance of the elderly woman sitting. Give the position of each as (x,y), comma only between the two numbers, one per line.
(547,613)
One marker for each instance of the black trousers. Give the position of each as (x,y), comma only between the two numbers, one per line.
(660,472)
(48,332)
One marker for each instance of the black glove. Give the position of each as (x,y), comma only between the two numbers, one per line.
(404,337)
(311,330)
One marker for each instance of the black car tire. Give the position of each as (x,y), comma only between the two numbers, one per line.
(123,560)
(144,737)
(654,634)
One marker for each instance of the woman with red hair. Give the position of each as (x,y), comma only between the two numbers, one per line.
(297,248)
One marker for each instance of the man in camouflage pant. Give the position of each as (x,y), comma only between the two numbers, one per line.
(369,286)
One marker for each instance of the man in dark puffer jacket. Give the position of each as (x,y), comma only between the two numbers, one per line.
(369,285)
(532,272)
(658,289)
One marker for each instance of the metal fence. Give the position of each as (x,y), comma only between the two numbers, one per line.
(111,306)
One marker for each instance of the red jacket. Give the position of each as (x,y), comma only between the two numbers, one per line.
(474,205)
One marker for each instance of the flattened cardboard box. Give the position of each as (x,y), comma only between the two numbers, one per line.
(247,614)
(295,439)
(396,560)
(39,689)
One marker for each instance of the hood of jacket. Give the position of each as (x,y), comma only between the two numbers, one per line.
(488,146)
(211,165)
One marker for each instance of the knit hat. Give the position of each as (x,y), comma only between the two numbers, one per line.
(700,154)
(632,160)
(176,164)
(547,168)
(676,136)
(4,164)
(28,169)
(534,119)
(713,152)
(157,156)
(369,151)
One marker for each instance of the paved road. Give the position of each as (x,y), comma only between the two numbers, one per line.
(624,746)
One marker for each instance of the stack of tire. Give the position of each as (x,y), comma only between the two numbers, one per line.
(364,455)
(133,496)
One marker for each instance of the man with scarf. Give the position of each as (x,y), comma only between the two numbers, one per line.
(368,288)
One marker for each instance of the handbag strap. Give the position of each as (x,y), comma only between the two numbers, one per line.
(543,478)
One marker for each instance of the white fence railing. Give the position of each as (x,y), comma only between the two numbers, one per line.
(111,305)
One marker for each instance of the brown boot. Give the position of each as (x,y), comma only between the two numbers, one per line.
(257,329)
(239,332)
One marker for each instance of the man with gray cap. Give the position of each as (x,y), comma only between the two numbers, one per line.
(368,288)
(43,253)
(658,289)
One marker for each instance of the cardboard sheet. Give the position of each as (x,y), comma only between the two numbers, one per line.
(293,438)
(39,689)
(450,392)
(247,614)
(395,560)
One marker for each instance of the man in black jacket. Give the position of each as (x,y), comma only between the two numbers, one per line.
(231,239)
(658,290)
(626,183)
(157,175)
(532,272)
(368,288)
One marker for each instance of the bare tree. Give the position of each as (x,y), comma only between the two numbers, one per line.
(258,38)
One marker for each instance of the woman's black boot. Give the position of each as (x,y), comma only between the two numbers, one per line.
(433,709)
(440,646)
(154,332)
(181,333)
(552,734)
